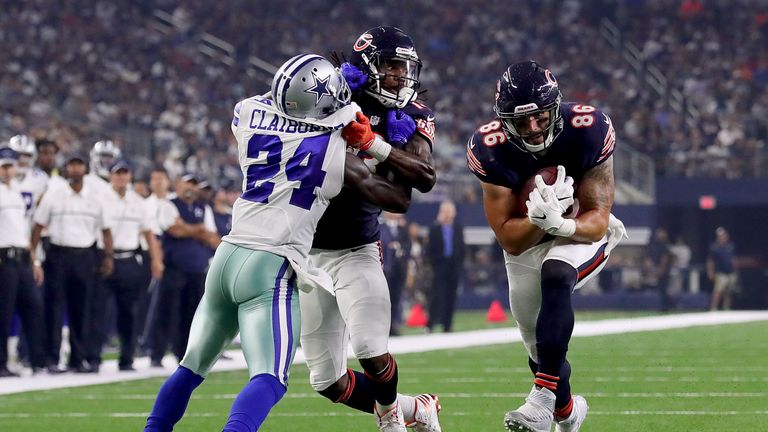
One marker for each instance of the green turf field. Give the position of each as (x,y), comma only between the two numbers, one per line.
(710,378)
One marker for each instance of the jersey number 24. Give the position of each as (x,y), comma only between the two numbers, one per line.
(304,167)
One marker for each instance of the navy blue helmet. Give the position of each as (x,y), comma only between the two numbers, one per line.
(527,90)
(387,55)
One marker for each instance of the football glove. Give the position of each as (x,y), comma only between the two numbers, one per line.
(400,127)
(616,232)
(563,187)
(358,134)
(355,78)
(544,211)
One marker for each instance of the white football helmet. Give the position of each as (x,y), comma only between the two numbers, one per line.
(309,87)
(103,155)
(24,146)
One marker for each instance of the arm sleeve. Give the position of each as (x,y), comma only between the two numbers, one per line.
(105,216)
(43,213)
(209,221)
(608,138)
(167,213)
(146,223)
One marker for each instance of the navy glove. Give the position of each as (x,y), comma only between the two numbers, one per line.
(400,127)
(356,78)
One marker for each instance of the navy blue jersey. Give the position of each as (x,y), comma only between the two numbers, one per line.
(586,141)
(186,253)
(350,221)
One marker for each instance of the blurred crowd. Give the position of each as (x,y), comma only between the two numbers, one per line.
(145,75)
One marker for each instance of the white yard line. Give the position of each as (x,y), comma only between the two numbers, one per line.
(398,345)
(349,413)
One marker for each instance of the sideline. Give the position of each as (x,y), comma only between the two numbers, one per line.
(398,345)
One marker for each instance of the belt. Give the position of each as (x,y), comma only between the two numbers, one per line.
(71,249)
(14,253)
(123,254)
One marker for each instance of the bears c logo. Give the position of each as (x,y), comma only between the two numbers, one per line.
(550,78)
(363,42)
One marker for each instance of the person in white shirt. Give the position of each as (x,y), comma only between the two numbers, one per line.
(130,222)
(75,217)
(17,286)
(163,215)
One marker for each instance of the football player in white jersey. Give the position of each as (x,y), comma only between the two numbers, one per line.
(32,181)
(294,161)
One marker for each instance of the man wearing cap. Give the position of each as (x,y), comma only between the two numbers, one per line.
(74,216)
(186,250)
(130,221)
(17,285)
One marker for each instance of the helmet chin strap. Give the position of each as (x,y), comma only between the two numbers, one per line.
(535,148)
(391,100)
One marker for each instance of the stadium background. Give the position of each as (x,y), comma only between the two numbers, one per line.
(688,98)
(684,81)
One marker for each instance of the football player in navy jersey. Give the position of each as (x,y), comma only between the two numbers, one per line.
(548,252)
(397,133)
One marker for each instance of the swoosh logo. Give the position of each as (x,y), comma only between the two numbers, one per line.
(539,217)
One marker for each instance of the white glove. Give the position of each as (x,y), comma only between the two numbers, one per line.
(563,187)
(544,211)
(616,232)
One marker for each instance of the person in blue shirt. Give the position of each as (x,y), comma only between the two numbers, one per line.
(721,270)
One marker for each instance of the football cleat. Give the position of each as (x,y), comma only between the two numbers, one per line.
(391,420)
(425,417)
(573,422)
(535,415)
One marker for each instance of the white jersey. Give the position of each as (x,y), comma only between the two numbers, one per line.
(291,170)
(32,186)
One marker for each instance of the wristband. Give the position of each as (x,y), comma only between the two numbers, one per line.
(566,229)
(379,149)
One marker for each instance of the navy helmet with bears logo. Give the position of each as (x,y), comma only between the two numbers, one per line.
(526,89)
(376,52)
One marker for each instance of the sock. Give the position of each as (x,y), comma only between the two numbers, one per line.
(563,391)
(253,404)
(408,405)
(385,384)
(546,381)
(359,392)
(564,412)
(359,395)
(172,400)
(554,325)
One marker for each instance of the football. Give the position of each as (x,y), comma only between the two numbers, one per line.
(548,174)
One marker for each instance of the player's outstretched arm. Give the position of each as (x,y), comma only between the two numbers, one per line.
(595,194)
(514,234)
(375,189)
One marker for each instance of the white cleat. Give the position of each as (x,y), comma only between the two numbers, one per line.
(535,415)
(425,417)
(391,420)
(573,422)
